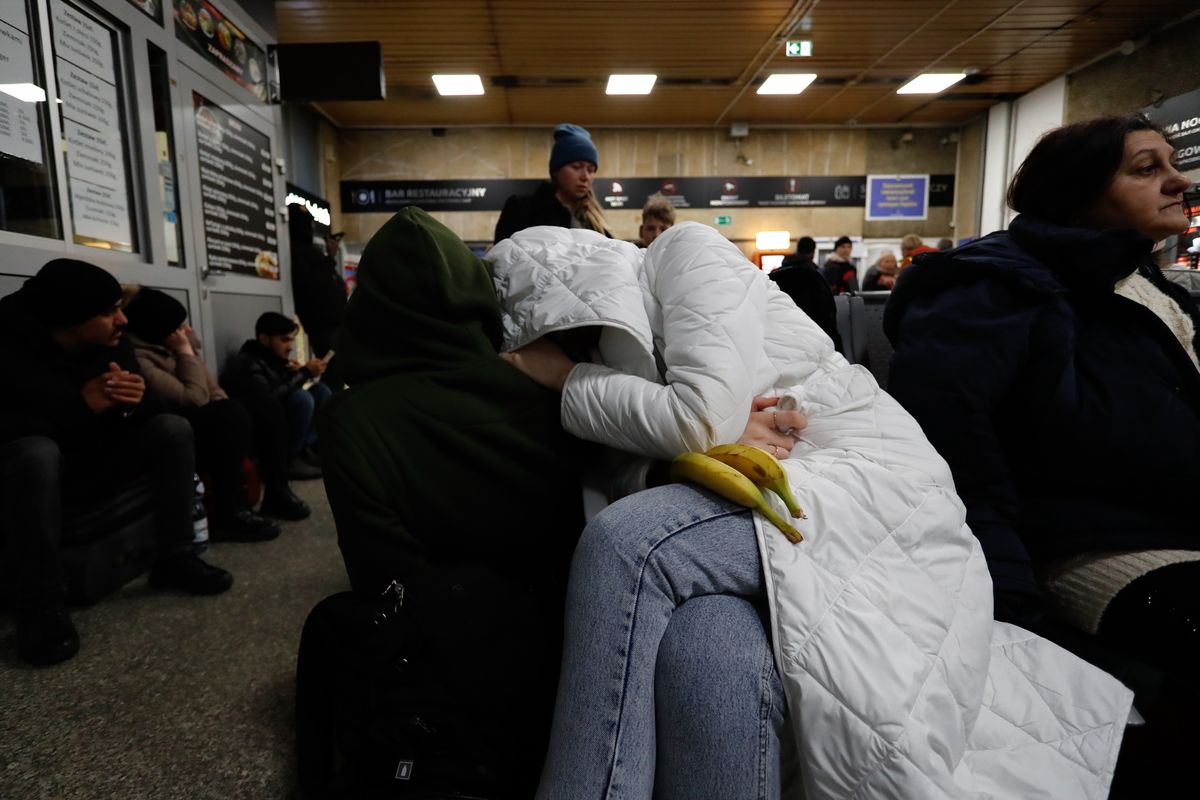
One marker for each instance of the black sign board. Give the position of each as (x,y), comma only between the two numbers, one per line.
(237,192)
(1179,118)
(213,35)
(758,192)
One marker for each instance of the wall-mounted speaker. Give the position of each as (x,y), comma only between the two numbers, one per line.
(330,71)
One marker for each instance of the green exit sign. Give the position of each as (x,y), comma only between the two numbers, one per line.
(799,48)
(725,219)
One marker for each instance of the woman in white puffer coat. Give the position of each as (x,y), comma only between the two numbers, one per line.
(898,683)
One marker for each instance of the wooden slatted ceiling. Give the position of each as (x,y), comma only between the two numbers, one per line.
(542,61)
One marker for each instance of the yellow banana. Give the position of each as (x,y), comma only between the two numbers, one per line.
(762,468)
(730,484)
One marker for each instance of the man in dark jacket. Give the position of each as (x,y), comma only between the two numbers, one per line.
(839,269)
(271,385)
(77,425)
(318,288)
(800,279)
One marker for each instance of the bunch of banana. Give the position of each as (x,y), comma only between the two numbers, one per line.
(718,476)
(762,468)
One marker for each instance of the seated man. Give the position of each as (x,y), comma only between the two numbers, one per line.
(271,385)
(77,424)
(801,280)
(167,354)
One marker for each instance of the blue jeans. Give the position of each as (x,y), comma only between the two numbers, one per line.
(667,687)
(301,408)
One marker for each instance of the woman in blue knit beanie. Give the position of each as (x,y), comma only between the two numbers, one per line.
(567,199)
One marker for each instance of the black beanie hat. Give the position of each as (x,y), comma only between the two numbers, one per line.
(153,315)
(66,292)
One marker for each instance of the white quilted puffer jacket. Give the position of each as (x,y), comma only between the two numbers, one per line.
(899,683)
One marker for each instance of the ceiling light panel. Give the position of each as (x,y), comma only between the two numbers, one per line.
(931,83)
(787,83)
(630,84)
(448,85)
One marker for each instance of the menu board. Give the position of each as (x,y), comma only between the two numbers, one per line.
(238,193)
(18,118)
(213,35)
(95,146)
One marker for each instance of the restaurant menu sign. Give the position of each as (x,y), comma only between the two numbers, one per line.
(18,118)
(213,35)
(91,116)
(615,193)
(237,193)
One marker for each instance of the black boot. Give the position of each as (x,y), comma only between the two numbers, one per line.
(189,573)
(46,635)
(243,526)
(280,502)
(300,470)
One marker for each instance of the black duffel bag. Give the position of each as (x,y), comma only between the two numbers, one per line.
(441,687)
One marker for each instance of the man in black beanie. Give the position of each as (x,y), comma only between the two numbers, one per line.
(76,424)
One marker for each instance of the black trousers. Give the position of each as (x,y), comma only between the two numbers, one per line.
(222,430)
(36,481)
(270,433)
(1156,619)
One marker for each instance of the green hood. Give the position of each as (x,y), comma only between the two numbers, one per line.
(424,303)
(440,451)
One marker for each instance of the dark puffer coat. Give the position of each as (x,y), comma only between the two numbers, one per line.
(523,211)
(1069,415)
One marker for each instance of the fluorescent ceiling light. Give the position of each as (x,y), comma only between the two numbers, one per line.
(630,84)
(24,91)
(931,82)
(785,83)
(773,240)
(458,84)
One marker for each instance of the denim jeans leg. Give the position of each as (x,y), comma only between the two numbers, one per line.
(719,704)
(300,408)
(636,562)
(320,393)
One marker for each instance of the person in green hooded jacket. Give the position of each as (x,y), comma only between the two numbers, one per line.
(440,454)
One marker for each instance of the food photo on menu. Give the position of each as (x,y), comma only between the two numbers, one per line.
(207,26)
(187,15)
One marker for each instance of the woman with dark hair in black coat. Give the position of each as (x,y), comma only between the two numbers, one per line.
(1055,368)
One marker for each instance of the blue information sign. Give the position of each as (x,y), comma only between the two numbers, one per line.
(897,196)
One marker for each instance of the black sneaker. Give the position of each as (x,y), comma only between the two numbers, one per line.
(189,573)
(243,526)
(310,455)
(300,470)
(283,504)
(46,635)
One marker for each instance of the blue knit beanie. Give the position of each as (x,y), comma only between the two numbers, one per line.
(572,143)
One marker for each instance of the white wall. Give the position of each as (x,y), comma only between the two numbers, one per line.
(995,168)
(1012,131)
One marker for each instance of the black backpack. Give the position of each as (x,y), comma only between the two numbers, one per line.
(441,687)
